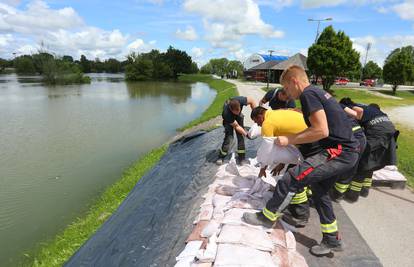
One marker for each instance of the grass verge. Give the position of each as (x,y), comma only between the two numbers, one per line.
(224,90)
(405,153)
(57,251)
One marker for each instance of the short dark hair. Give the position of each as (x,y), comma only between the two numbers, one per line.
(234,104)
(375,105)
(346,101)
(257,111)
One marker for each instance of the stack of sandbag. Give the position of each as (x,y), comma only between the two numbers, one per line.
(388,173)
(221,238)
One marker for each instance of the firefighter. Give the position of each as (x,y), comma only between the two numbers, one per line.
(328,125)
(343,183)
(277,99)
(284,122)
(381,145)
(233,120)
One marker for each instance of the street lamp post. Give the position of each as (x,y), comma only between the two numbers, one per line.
(268,68)
(319,24)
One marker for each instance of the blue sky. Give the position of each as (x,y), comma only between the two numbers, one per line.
(204,28)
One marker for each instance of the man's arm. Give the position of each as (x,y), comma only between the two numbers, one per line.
(251,102)
(317,131)
(351,112)
(359,111)
(238,128)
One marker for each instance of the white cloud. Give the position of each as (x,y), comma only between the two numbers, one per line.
(188,34)
(405,10)
(36,18)
(197,52)
(320,3)
(381,46)
(228,21)
(61,31)
(381,9)
(275,4)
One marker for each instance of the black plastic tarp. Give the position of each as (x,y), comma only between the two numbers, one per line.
(151,225)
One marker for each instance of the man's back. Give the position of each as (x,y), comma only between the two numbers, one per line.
(282,122)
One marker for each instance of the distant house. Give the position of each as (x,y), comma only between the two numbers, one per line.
(273,67)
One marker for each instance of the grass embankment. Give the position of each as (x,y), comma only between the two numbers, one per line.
(224,90)
(57,251)
(406,138)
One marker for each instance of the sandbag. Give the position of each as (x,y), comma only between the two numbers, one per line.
(229,255)
(270,154)
(243,235)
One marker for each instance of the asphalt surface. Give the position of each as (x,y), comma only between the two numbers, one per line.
(384,219)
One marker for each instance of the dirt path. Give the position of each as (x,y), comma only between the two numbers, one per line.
(402,115)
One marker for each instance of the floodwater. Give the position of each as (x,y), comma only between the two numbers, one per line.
(61,146)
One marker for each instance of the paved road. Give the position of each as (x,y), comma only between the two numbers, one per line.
(385,219)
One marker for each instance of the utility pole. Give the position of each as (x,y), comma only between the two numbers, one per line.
(366,57)
(268,68)
(319,24)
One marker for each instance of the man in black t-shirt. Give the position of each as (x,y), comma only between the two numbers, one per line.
(233,120)
(329,126)
(277,99)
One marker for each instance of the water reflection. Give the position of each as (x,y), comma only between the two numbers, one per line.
(178,92)
(61,146)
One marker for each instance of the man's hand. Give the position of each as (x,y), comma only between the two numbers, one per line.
(262,172)
(249,136)
(276,170)
(282,141)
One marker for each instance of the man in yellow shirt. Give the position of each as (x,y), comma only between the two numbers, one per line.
(284,122)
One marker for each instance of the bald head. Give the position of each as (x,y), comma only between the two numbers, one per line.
(294,79)
(293,71)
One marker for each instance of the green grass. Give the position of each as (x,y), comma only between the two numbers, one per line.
(224,90)
(360,96)
(405,153)
(57,251)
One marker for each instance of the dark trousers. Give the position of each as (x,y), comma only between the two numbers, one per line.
(343,182)
(228,139)
(320,171)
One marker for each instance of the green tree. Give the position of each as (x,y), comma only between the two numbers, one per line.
(112,65)
(139,68)
(332,56)
(40,59)
(179,61)
(371,70)
(85,64)
(194,68)
(24,65)
(398,68)
(235,65)
(67,58)
(207,69)
(219,66)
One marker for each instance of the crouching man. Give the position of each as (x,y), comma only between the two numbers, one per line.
(233,120)
(328,125)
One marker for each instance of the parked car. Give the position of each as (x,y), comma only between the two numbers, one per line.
(341,81)
(368,82)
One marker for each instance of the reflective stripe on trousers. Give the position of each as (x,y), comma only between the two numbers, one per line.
(329,228)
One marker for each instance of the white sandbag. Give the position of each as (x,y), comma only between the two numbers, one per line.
(231,168)
(270,154)
(248,236)
(185,262)
(190,250)
(388,173)
(211,229)
(209,254)
(206,212)
(219,201)
(244,200)
(255,131)
(229,255)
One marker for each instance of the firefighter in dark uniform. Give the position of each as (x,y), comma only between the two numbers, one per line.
(233,120)
(343,183)
(277,99)
(328,124)
(380,149)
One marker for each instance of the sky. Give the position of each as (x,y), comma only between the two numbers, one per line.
(205,29)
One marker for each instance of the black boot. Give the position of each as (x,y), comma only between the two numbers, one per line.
(257,218)
(351,196)
(364,192)
(297,214)
(241,160)
(329,244)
